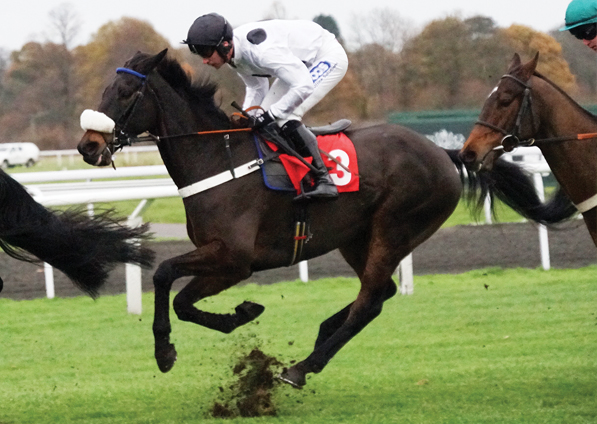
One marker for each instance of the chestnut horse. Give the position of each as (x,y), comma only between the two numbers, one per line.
(527,108)
(408,188)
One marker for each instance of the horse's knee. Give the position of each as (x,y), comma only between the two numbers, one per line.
(162,273)
(391,290)
(182,308)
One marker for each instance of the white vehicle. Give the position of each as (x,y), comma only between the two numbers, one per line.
(12,154)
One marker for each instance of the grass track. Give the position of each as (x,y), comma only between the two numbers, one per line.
(524,350)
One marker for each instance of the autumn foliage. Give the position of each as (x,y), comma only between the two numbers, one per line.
(451,63)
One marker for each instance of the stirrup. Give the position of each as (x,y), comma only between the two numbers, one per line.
(324,189)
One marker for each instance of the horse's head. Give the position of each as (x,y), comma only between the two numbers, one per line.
(507,118)
(127,109)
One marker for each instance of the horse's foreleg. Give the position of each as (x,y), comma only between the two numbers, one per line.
(168,271)
(202,287)
(165,354)
(1,285)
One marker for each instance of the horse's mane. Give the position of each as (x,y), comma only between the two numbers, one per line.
(201,93)
(566,95)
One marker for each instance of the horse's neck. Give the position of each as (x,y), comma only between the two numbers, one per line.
(194,157)
(559,114)
(572,162)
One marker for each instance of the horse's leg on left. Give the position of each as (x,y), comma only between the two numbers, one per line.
(216,269)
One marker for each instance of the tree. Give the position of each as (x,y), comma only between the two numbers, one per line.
(527,42)
(329,23)
(112,45)
(65,23)
(455,63)
(384,27)
(37,97)
(439,60)
(582,62)
(278,11)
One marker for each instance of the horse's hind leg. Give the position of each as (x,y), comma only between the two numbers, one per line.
(1,285)
(354,255)
(376,287)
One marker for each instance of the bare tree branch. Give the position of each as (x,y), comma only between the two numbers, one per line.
(65,23)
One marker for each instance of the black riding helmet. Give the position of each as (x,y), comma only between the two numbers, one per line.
(207,34)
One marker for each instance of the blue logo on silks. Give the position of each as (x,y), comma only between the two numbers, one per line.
(320,70)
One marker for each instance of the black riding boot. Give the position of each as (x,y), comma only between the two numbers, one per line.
(306,142)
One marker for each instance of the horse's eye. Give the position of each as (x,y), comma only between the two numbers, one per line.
(125,92)
(504,99)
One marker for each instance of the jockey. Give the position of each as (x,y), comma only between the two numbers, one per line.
(581,21)
(305,60)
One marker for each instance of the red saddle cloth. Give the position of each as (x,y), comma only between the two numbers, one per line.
(340,147)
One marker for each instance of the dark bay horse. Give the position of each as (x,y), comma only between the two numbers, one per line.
(408,188)
(84,248)
(527,108)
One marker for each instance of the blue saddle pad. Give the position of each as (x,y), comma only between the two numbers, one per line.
(274,174)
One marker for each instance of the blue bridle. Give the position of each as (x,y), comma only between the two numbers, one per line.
(121,135)
(130,71)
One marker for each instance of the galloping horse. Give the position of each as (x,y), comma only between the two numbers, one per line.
(84,248)
(526,108)
(408,188)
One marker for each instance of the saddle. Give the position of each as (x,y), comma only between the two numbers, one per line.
(283,172)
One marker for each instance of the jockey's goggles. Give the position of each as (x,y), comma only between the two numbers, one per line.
(585,32)
(203,51)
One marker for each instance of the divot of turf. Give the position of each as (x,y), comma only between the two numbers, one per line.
(250,395)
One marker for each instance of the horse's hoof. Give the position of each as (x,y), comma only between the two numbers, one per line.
(294,377)
(248,311)
(166,358)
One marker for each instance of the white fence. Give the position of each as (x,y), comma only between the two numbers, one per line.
(72,155)
(66,188)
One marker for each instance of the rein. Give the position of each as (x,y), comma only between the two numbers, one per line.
(125,140)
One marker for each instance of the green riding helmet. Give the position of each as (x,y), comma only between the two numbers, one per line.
(580,12)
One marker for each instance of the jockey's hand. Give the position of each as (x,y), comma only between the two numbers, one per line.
(263,120)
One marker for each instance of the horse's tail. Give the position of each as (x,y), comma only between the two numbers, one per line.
(513,186)
(84,248)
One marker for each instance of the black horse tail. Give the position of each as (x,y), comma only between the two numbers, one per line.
(514,186)
(84,248)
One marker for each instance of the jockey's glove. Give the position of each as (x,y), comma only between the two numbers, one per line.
(263,120)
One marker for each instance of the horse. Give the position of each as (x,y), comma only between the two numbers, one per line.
(526,108)
(408,187)
(84,248)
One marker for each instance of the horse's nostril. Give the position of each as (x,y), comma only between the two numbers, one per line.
(88,148)
(468,156)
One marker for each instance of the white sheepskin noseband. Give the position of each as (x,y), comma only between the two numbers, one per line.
(96,121)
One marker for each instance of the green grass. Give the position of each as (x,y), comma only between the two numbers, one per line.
(522,350)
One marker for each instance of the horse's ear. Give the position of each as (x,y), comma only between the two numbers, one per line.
(528,69)
(515,62)
(151,62)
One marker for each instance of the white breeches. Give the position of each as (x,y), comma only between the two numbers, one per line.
(329,68)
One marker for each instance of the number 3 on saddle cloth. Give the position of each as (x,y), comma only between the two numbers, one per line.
(285,172)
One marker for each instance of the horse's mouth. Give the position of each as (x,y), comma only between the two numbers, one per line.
(486,163)
(103,159)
